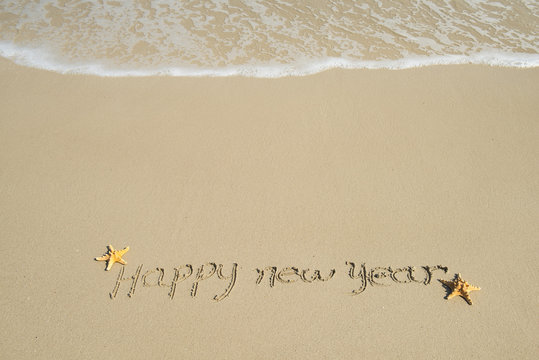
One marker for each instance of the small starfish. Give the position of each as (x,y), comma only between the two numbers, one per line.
(113,256)
(460,287)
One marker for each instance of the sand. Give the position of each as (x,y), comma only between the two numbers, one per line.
(422,167)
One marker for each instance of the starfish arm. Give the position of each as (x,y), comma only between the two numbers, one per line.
(122,252)
(453,294)
(109,264)
(467,298)
(121,261)
(473,288)
(103,258)
(111,248)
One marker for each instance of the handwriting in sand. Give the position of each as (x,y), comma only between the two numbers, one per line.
(360,277)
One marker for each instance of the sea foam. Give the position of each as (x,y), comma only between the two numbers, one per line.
(265,38)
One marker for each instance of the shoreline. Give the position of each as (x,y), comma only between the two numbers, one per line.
(277,71)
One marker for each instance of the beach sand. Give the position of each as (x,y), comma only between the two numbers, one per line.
(421,167)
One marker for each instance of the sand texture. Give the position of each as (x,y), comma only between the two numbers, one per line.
(209,179)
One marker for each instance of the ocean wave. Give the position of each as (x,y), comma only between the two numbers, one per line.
(41,60)
(265,38)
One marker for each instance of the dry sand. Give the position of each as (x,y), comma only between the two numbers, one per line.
(429,166)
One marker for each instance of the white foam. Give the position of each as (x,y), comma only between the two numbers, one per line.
(41,59)
(265,38)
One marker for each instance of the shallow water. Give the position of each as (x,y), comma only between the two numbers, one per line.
(265,38)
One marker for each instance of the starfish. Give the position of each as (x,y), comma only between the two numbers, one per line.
(113,256)
(460,287)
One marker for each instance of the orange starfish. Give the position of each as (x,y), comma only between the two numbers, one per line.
(460,287)
(113,256)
